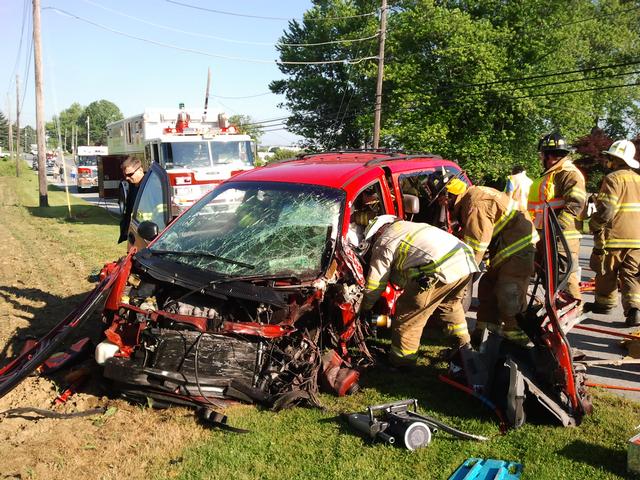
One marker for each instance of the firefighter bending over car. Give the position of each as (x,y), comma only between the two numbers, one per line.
(432,266)
(616,229)
(492,224)
(562,186)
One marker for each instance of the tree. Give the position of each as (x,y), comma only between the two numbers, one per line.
(475,80)
(4,131)
(246,125)
(100,113)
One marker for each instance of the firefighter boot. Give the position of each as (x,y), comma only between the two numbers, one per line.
(633,318)
(595,307)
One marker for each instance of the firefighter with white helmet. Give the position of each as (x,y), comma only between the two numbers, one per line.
(433,268)
(562,186)
(496,229)
(616,228)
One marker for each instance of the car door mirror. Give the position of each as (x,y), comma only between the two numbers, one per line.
(148,230)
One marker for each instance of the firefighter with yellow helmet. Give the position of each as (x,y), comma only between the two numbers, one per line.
(562,186)
(491,223)
(432,266)
(616,228)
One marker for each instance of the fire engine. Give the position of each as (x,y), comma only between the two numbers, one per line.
(198,150)
(88,166)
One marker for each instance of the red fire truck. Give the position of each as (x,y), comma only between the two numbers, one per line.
(197,150)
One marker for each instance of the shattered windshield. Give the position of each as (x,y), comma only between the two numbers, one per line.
(270,229)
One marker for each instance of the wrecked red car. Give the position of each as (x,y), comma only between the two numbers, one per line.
(252,293)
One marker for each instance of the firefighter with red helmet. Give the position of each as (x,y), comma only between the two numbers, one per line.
(562,186)
(496,229)
(432,266)
(616,228)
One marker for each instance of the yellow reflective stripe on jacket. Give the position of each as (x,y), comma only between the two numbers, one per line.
(403,254)
(628,207)
(621,243)
(474,244)
(432,267)
(576,192)
(504,219)
(608,198)
(514,248)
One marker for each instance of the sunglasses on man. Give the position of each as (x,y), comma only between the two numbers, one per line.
(130,174)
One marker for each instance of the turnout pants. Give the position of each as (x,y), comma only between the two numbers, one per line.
(573,285)
(415,307)
(621,265)
(502,292)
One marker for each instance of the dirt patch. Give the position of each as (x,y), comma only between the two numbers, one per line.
(41,280)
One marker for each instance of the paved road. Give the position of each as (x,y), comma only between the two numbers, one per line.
(599,346)
(90,196)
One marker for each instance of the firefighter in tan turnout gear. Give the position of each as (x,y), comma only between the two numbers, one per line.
(492,223)
(562,186)
(616,228)
(433,268)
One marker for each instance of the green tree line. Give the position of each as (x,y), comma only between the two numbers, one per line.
(478,81)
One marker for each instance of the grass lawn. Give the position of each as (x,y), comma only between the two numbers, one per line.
(315,443)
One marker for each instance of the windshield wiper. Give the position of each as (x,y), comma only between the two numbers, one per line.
(195,253)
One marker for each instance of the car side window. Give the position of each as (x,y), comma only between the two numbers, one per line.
(151,202)
(367,205)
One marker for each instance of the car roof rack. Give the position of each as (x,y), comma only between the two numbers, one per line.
(301,156)
(377,161)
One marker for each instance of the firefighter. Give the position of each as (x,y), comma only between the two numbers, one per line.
(433,268)
(616,228)
(562,186)
(491,223)
(518,185)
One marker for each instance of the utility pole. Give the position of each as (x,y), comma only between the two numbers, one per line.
(378,108)
(10,127)
(37,67)
(18,156)
(88,130)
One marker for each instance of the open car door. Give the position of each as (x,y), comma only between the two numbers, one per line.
(539,378)
(153,204)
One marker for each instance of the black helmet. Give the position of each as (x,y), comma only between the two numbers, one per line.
(554,143)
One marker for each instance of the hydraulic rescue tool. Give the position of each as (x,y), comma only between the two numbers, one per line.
(399,423)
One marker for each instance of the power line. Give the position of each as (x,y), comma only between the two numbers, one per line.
(222,12)
(544,75)
(228,40)
(207,54)
(566,92)
(243,97)
(27,69)
(24,21)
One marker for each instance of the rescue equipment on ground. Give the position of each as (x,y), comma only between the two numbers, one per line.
(399,423)
(489,469)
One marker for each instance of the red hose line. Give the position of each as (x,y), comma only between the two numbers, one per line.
(612,387)
(608,332)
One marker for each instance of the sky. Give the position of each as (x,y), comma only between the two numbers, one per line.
(140,54)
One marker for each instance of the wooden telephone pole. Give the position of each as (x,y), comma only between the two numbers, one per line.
(18,155)
(378,108)
(40,136)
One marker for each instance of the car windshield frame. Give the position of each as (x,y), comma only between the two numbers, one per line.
(262,229)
